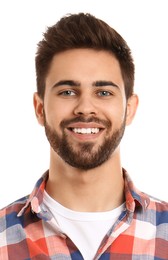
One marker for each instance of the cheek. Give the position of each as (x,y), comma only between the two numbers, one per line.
(121,111)
(116,113)
(56,111)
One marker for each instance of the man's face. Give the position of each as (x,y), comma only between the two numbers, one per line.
(84,107)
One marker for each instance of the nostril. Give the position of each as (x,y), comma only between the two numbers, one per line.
(85,107)
(84,113)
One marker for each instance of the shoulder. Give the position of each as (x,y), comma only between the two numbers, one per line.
(159,206)
(156,212)
(9,213)
(148,202)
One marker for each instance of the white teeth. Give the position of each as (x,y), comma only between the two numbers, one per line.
(86,130)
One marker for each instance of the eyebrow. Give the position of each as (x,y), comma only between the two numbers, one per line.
(102,83)
(73,83)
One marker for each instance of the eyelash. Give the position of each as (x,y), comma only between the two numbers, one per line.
(100,93)
(104,91)
(65,93)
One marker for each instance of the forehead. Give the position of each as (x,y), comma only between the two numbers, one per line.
(84,65)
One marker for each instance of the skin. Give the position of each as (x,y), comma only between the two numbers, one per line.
(100,188)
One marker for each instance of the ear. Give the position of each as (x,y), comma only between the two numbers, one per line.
(38,107)
(132,104)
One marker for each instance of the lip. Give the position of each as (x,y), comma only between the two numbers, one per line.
(85,137)
(86,125)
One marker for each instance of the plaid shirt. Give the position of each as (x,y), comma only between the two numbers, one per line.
(27,231)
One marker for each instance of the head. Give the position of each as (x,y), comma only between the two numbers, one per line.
(85,78)
(83,31)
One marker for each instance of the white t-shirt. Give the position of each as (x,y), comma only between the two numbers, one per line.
(85,229)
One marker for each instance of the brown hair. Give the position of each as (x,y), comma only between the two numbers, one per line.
(83,31)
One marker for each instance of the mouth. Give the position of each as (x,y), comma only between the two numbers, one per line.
(93,130)
(86,131)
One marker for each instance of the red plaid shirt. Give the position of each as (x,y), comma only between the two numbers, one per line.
(27,231)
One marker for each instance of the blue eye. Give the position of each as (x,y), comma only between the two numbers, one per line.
(67,93)
(104,93)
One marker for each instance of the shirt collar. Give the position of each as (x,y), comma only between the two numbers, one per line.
(134,198)
(36,197)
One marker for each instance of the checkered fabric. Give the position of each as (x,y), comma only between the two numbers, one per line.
(28,231)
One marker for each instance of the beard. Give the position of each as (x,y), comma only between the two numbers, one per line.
(85,156)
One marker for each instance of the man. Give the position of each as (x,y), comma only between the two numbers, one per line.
(85,206)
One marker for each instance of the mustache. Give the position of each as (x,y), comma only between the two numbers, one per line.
(105,123)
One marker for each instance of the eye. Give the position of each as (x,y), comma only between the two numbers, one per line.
(104,93)
(67,93)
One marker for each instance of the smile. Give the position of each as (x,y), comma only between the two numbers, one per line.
(86,130)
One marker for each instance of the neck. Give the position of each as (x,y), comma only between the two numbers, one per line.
(98,189)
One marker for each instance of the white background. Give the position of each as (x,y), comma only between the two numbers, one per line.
(24,151)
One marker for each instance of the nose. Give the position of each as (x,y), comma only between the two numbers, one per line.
(85,106)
